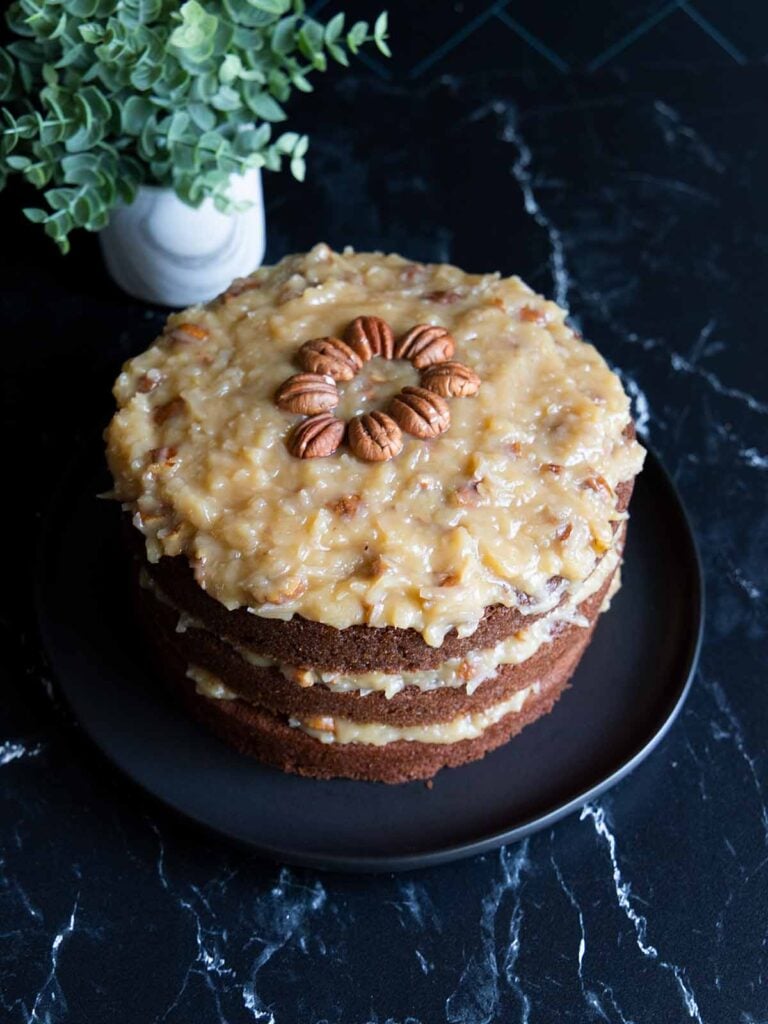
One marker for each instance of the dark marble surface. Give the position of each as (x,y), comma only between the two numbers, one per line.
(635,194)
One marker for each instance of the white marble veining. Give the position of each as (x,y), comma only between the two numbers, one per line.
(50,1005)
(11,750)
(729,727)
(623,890)
(476,999)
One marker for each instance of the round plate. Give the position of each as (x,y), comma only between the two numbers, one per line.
(628,689)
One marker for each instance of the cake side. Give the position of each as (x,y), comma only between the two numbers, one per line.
(224,671)
(271,740)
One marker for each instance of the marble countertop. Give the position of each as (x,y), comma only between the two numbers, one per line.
(636,197)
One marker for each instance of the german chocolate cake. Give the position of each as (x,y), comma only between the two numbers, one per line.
(377,507)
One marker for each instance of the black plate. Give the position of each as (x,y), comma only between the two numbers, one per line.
(625,695)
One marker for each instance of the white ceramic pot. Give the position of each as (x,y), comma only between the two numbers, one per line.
(163,251)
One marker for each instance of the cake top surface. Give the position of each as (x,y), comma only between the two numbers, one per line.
(519,490)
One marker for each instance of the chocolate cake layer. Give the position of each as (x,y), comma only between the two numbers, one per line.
(270,739)
(268,687)
(354,649)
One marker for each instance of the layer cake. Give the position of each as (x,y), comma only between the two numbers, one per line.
(376,508)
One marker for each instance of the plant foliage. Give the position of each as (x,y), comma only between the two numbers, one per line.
(100,96)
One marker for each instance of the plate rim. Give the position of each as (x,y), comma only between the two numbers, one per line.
(388,863)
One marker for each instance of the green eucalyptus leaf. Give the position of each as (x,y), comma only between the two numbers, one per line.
(298,168)
(39,174)
(18,163)
(77,56)
(145,74)
(252,139)
(29,53)
(92,33)
(160,170)
(287,142)
(85,8)
(283,39)
(35,215)
(300,81)
(6,75)
(380,29)
(226,98)
(245,16)
(275,7)
(264,106)
(148,138)
(179,123)
(211,141)
(58,227)
(197,27)
(59,198)
(141,12)
(230,68)
(202,116)
(338,53)
(310,41)
(186,158)
(279,85)
(82,169)
(333,29)
(134,114)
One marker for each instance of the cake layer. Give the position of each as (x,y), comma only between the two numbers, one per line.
(492,498)
(272,740)
(298,641)
(269,688)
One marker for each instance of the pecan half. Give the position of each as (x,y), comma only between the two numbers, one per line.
(420,412)
(188,334)
(370,336)
(425,344)
(307,393)
(316,437)
(374,437)
(450,379)
(330,357)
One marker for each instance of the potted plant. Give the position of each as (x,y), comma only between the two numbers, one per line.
(150,121)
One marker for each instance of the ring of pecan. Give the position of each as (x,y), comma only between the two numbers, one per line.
(373,436)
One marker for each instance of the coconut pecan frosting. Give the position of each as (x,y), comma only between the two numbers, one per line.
(378,435)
